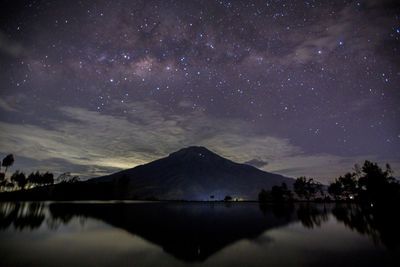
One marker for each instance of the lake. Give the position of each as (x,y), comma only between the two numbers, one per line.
(196,234)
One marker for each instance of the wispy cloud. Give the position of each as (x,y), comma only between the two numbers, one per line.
(92,143)
(10,47)
(256,163)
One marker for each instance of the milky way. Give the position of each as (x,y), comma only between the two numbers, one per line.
(294,87)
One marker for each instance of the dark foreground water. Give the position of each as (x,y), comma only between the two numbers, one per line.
(190,234)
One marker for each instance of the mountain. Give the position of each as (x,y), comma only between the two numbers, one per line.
(192,173)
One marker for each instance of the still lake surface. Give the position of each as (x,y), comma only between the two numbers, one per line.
(196,234)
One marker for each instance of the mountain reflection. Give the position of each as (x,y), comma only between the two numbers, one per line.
(194,231)
(190,232)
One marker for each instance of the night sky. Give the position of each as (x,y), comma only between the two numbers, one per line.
(293,87)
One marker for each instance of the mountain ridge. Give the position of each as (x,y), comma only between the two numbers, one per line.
(192,173)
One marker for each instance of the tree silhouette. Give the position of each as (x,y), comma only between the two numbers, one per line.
(3,180)
(281,193)
(277,194)
(19,178)
(228,198)
(66,177)
(377,185)
(8,161)
(344,187)
(335,189)
(367,184)
(306,188)
(37,178)
(212,196)
(47,178)
(264,196)
(34,178)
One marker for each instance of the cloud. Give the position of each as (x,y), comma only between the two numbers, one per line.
(12,103)
(92,143)
(344,27)
(10,47)
(256,163)
(4,105)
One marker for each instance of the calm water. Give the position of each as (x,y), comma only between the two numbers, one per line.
(191,234)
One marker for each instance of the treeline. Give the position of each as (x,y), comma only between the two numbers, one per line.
(367,184)
(305,189)
(19,180)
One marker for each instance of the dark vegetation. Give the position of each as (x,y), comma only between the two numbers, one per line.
(18,180)
(228,198)
(277,194)
(305,188)
(366,184)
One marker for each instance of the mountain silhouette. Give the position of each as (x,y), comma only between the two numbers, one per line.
(192,173)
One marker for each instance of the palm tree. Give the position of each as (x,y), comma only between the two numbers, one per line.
(8,161)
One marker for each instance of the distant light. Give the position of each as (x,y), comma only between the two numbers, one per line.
(340,43)
(182,58)
(319,52)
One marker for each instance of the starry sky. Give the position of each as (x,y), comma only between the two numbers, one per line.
(292,87)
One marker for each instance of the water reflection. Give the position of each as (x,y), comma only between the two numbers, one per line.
(382,225)
(21,215)
(279,210)
(312,215)
(192,232)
